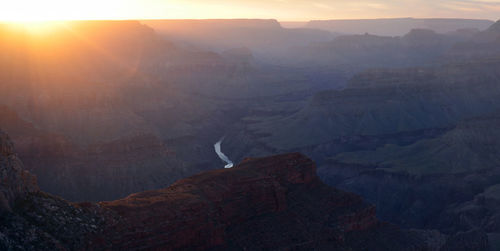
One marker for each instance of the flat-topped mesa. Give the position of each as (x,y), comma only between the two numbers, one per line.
(190,24)
(248,206)
(15,183)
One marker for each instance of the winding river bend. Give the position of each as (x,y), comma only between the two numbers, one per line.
(222,156)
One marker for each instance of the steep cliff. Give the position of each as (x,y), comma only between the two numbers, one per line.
(33,220)
(15,182)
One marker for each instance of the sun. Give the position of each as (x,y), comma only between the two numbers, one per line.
(33,11)
(29,11)
(36,27)
(43,16)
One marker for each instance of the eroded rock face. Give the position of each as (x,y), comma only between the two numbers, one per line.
(15,183)
(33,220)
(262,204)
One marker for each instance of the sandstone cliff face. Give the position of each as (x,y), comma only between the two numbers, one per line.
(15,183)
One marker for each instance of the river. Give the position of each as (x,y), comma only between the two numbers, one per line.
(222,156)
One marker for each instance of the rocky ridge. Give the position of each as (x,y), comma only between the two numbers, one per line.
(33,220)
(16,183)
(222,209)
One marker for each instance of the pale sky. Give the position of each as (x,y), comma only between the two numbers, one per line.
(284,10)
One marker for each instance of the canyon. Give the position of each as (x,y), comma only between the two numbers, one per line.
(126,116)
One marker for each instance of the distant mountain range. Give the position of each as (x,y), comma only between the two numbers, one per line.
(397,26)
(260,36)
(354,53)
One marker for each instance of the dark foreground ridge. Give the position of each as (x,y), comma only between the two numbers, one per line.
(273,203)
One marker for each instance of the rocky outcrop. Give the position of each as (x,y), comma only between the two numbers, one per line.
(247,207)
(33,220)
(44,222)
(15,183)
(272,203)
(465,241)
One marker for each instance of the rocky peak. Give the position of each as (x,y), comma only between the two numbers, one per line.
(15,183)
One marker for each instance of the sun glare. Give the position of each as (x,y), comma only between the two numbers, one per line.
(36,27)
(30,11)
(34,11)
(51,10)
(43,16)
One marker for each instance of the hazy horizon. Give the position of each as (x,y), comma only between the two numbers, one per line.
(252,18)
